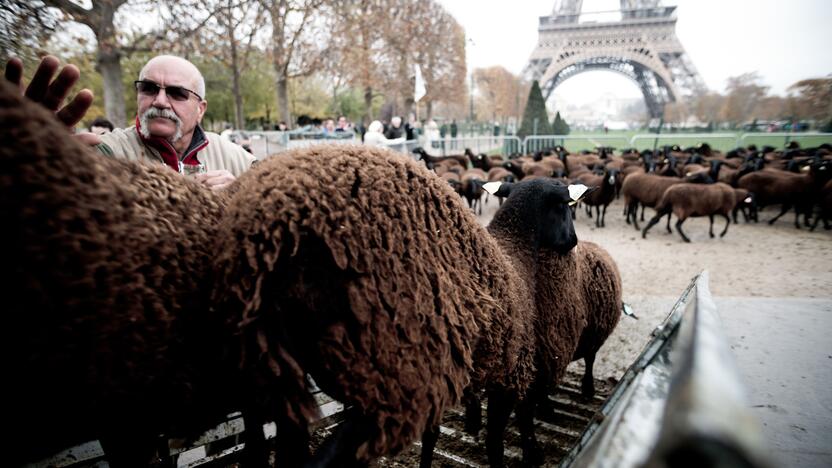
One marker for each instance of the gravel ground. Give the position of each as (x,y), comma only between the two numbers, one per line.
(752,260)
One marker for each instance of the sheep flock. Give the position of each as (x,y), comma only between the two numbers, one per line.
(144,304)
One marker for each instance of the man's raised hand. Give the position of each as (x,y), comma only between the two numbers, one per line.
(52,93)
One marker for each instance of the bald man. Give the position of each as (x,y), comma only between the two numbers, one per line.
(170,94)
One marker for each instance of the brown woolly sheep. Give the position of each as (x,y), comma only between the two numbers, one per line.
(646,189)
(689,200)
(105,272)
(330,256)
(824,203)
(578,300)
(790,190)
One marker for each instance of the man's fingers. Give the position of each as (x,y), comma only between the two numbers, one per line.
(73,112)
(40,82)
(88,138)
(59,88)
(220,186)
(14,71)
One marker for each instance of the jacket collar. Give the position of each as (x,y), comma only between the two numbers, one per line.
(169,155)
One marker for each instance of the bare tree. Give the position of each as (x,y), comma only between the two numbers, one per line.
(742,94)
(100,18)
(501,94)
(299,41)
(814,98)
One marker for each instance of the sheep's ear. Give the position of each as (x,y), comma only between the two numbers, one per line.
(576,192)
(492,187)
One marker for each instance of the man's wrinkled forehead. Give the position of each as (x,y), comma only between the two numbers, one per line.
(170,71)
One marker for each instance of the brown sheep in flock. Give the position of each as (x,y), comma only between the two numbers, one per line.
(106,265)
(690,200)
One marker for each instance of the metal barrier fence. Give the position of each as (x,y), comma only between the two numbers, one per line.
(267,143)
(782,139)
(504,145)
(717,141)
(534,143)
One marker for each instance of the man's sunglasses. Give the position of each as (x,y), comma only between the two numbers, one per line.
(177,93)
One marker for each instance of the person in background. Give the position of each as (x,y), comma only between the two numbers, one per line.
(395,129)
(100,126)
(329,128)
(343,124)
(375,137)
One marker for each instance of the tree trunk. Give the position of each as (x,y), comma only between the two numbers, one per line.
(109,65)
(429,111)
(108,62)
(368,105)
(235,83)
(283,98)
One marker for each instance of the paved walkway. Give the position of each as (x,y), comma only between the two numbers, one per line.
(783,348)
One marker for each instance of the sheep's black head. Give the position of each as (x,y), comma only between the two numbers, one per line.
(538,212)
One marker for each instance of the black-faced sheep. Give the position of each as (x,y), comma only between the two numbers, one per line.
(431,161)
(691,200)
(106,277)
(790,190)
(362,269)
(578,300)
(644,189)
(602,197)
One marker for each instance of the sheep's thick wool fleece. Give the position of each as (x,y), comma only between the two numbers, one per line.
(364,269)
(99,259)
(570,287)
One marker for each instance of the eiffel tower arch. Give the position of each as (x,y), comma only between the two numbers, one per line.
(641,45)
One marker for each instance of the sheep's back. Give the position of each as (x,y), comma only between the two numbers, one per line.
(403,285)
(647,188)
(699,199)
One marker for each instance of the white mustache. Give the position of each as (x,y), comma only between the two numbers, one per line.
(154,113)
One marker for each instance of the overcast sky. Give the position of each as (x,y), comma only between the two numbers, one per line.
(784,40)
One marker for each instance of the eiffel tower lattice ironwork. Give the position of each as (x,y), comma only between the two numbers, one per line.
(641,45)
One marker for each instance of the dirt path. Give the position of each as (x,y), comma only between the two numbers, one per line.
(752,260)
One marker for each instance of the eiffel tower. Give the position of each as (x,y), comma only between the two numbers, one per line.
(641,45)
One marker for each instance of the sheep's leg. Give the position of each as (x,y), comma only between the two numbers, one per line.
(292,441)
(588,210)
(473,412)
(603,216)
(500,403)
(532,454)
(679,228)
(642,211)
(669,231)
(588,382)
(256,453)
(635,216)
(653,221)
(429,438)
(128,449)
(711,227)
(785,208)
(727,222)
(340,448)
